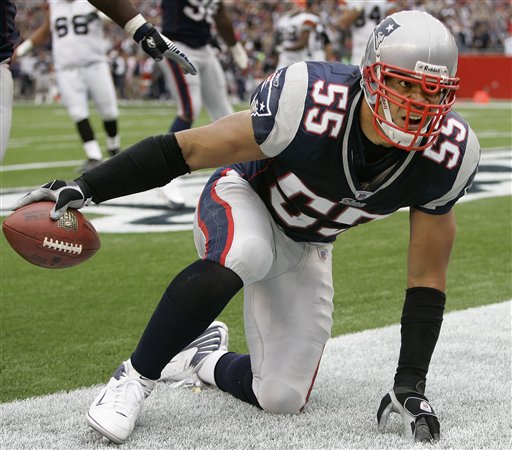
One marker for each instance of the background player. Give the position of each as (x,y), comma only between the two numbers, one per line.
(124,14)
(9,37)
(361,17)
(79,51)
(324,148)
(294,31)
(151,41)
(189,25)
(320,44)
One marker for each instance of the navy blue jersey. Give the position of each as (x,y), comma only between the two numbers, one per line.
(323,176)
(9,35)
(188,21)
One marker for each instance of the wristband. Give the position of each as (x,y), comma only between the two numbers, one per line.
(239,55)
(24,48)
(134,24)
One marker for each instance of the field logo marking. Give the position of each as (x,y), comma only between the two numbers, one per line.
(148,212)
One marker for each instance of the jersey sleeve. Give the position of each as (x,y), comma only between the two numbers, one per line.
(463,181)
(277,107)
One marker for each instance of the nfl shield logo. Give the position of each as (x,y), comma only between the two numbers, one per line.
(68,221)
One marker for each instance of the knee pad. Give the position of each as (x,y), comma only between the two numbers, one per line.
(108,111)
(251,259)
(110,117)
(77,114)
(277,397)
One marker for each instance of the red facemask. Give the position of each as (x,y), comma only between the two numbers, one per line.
(417,133)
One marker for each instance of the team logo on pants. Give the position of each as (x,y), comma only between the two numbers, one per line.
(322,253)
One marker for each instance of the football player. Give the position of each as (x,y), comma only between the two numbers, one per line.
(294,30)
(82,68)
(189,24)
(324,147)
(151,41)
(360,17)
(320,44)
(9,36)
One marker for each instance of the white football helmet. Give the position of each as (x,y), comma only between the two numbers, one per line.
(414,47)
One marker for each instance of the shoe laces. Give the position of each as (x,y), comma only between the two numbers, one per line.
(128,395)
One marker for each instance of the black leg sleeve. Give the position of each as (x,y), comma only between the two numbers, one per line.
(85,130)
(233,374)
(190,304)
(110,127)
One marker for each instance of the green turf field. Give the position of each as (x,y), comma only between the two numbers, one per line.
(65,329)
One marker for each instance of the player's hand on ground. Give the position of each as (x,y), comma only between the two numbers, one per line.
(64,194)
(419,419)
(158,46)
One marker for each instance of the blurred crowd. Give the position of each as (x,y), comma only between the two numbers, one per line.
(478,26)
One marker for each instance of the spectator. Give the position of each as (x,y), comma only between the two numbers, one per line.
(118,64)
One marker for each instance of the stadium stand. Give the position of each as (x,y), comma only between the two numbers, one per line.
(482,27)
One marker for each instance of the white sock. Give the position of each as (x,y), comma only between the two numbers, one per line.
(206,373)
(113,143)
(93,150)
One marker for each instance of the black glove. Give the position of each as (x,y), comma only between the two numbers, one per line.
(157,46)
(420,420)
(64,194)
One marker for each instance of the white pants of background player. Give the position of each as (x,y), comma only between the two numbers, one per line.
(6,95)
(76,85)
(208,88)
(288,293)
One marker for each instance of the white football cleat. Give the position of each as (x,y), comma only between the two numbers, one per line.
(185,365)
(172,194)
(115,410)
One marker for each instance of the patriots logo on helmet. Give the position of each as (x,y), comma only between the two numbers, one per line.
(383,30)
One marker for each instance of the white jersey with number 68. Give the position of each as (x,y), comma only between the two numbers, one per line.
(77,34)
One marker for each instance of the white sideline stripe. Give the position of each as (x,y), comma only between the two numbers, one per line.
(469,386)
(40,165)
(488,153)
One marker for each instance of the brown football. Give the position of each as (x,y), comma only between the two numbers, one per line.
(55,244)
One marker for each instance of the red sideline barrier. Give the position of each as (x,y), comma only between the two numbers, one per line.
(489,73)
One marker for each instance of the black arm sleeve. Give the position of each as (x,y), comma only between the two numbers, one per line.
(422,316)
(150,163)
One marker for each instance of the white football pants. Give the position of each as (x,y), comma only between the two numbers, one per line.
(76,84)
(208,88)
(288,291)
(6,99)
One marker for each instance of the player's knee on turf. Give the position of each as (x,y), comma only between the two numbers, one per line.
(253,261)
(277,397)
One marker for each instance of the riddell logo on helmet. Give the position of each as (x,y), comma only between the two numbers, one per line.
(422,67)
